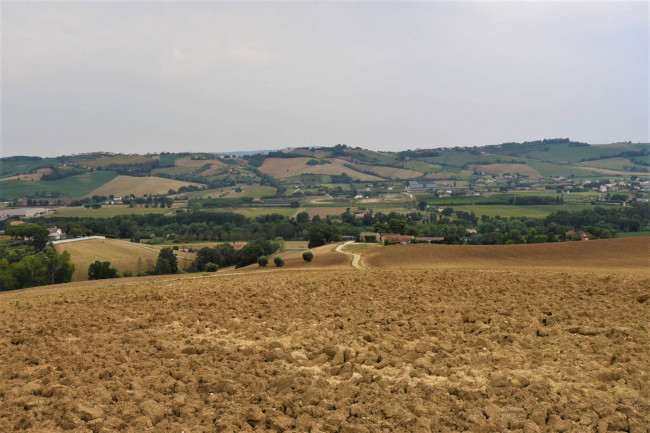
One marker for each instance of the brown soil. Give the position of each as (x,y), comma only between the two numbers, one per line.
(338,350)
(629,254)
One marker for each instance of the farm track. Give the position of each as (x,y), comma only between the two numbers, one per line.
(356,258)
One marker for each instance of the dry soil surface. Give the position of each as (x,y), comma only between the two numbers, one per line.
(331,351)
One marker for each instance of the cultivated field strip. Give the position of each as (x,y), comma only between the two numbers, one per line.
(381,350)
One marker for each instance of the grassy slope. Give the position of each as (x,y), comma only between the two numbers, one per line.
(124,256)
(106,211)
(533,211)
(73,186)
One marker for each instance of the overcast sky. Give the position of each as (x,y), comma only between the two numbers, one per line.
(214,76)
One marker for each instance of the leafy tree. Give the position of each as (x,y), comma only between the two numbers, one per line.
(59,267)
(167,262)
(279,261)
(30,271)
(227,254)
(101,271)
(211,267)
(322,234)
(7,280)
(308,256)
(206,255)
(422,205)
(262,261)
(302,217)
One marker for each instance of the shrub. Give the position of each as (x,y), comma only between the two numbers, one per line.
(308,256)
(211,267)
(101,271)
(263,261)
(279,261)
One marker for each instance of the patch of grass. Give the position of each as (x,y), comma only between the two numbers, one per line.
(632,234)
(507,211)
(104,211)
(252,212)
(359,247)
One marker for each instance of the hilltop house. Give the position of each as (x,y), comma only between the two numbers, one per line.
(55,233)
(579,235)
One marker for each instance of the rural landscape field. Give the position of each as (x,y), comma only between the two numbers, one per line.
(324,216)
(546,340)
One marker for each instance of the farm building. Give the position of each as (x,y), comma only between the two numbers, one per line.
(24,212)
(369,237)
(430,239)
(395,238)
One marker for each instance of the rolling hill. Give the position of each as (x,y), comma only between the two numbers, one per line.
(539,161)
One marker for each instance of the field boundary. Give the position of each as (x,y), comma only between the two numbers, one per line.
(65,241)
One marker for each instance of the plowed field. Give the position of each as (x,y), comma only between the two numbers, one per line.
(629,254)
(338,350)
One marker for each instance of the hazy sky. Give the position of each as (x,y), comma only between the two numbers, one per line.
(216,76)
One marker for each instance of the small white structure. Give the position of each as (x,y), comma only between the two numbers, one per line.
(55,233)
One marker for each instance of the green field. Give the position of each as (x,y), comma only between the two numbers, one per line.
(104,211)
(632,234)
(572,154)
(252,212)
(459,159)
(73,186)
(19,165)
(614,164)
(257,191)
(507,211)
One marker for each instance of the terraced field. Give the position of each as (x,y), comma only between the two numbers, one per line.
(124,185)
(557,342)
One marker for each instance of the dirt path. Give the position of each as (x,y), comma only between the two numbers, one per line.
(356,258)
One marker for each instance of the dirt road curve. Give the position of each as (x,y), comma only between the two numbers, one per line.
(356,258)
